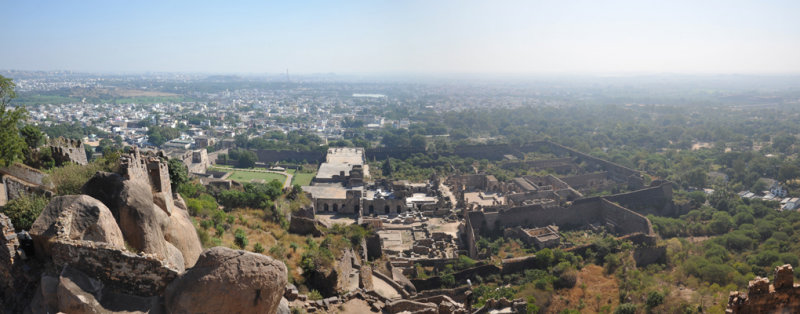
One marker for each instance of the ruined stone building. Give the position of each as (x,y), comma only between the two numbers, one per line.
(68,150)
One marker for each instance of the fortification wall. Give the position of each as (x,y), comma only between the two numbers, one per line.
(122,271)
(14,188)
(3,193)
(27,174)
(625,220)
(68,150)
(397,153)
(271,156)
(782,296)
(586,180)
(557,164)
(490,152)
(655,200)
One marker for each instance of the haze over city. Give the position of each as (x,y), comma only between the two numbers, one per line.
(411,37)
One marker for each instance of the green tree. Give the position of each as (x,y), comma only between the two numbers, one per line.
(11,142)
(32,135)
(387,168)
(178,174)
(247,159)
(24,210)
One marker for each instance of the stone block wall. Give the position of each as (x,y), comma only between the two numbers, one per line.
(26,174)
(68,150)
(123,271)
(780,297)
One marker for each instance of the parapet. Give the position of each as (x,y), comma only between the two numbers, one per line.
(782,296)
(68,150)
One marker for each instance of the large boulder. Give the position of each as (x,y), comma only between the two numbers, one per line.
(181,233)
(131,202)
(228,281)
(78,293)
(75,217)
(175,258)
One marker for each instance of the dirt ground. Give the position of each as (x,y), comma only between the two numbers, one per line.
(595,290)
(354,306)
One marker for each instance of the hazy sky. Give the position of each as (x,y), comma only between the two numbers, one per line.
(429,36)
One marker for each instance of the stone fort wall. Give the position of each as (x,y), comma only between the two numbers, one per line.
(271,156)
(68,150)
(123,271)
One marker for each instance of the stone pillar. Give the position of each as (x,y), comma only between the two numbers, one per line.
(759,285)
(784,277)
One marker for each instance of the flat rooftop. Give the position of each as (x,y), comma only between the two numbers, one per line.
(341,159)
(326,191)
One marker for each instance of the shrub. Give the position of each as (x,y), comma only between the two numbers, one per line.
(24,210)
(654,298)
(204,237)
(566,279)
(314,295)
(448,280)
(258,248)
(69,179)
(626,308)
(240,238)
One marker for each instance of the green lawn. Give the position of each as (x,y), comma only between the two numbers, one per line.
(246,176)
(303,178)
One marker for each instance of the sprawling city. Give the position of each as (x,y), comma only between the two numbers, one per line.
(485,182)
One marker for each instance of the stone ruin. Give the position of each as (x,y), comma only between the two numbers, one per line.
(68,150)
(782,296)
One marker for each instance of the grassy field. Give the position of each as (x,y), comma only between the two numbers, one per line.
(303,178)
(247,176)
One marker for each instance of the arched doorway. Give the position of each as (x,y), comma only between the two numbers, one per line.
(399,209)
(326,207)
(386,209)
(371,209)
(336,207)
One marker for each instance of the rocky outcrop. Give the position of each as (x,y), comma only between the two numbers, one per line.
(780,297)
(228,281)
(75,217)
(181,233)
(77,293)
(305,226)
(131,202)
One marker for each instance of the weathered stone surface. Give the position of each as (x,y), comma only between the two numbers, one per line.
(105,187)
(759,285)
(75,217)
(139,218)
(411,306)
(397,275)
(174,258)
(164,201)
(784,277)
(179,201)
(125,272)
(182,234)
(283,307)
(304,226)
(365,277)
(781,297)
(228,281)
(77,293)
(131,203)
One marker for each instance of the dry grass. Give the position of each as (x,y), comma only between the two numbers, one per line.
(269,235)
(597,292)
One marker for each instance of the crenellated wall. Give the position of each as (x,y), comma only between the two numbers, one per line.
(68,150)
